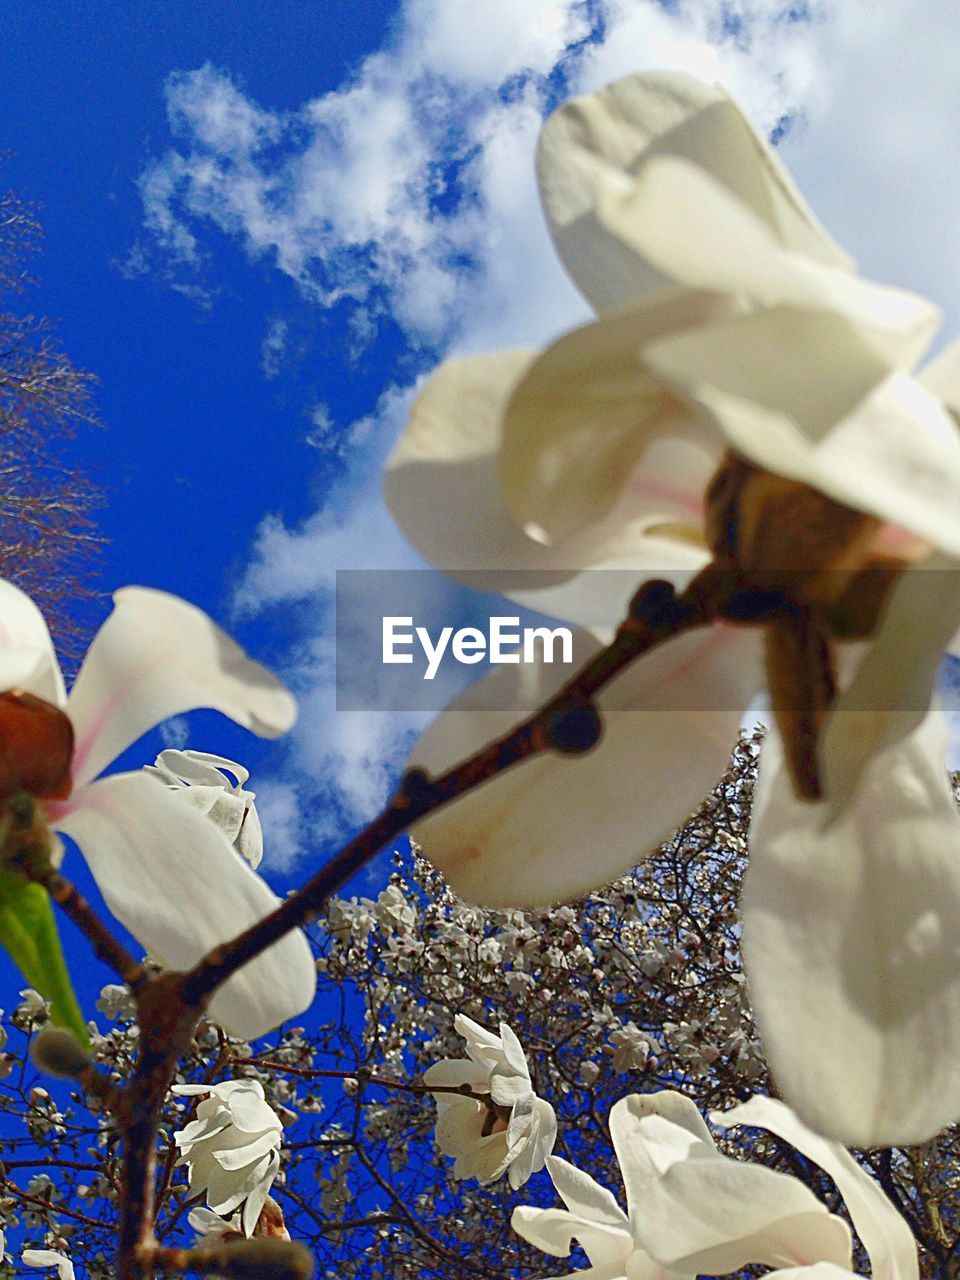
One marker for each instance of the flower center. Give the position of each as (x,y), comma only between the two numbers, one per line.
(811,572)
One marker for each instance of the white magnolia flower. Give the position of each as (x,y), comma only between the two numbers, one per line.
(743,399)
(510,1128)
(165,872)
(694,1211)
(49,1258)
(232,1148)
(204,781)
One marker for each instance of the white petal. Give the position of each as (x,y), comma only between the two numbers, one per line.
(451,447)
(651,1133)
(816,1271)
(49,1258)
(850,943)
(257,1199)
(200,766)
(532,834)
(477,1037)
(459,1126)
(695,1209)
(553,1230)
(701,237)
(596,143)
(155,657)
(831,415)
(585,1198)
(453,1072)
(884,1234)
(241,1157)
(484,1160)
(27,659)
(170,877)
(586,412)
(890,693)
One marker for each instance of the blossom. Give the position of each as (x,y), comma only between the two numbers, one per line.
(166,872)
(202,780)
(232,1148)
(49,1258)
(507,1127)
(693,1210)
(743,404)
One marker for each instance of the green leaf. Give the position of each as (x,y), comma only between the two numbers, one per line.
(28,930)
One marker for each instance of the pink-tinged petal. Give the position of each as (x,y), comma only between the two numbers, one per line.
(27,659)
(555,826)
(884,1234)
(833,417)
(850,942)
(171,878)
(890,693)
(602,142)
(451,446)
(588,427)
(157,656)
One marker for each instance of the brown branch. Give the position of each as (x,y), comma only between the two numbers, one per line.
(567,722)
(170,1005)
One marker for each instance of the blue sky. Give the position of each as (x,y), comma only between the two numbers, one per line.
(264,224)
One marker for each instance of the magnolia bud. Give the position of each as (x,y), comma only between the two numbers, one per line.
(59,1053)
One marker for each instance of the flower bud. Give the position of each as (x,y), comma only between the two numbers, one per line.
(58,1053)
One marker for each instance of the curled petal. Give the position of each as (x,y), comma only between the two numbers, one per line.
(694,1209)
(49,1258)
(884,1234)
(833,417)
(27,659)
(451,447)
(850,944)
(701,237)
(171,878)
(586,413)
(585,1198)
(601,143)
(554,1230)
(155,657)
(529,835)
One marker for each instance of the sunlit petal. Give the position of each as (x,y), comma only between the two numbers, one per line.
(602,142)
(27,659)
(850,942)
(172,879)
(529,836)
(155,657)
(884,1234)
